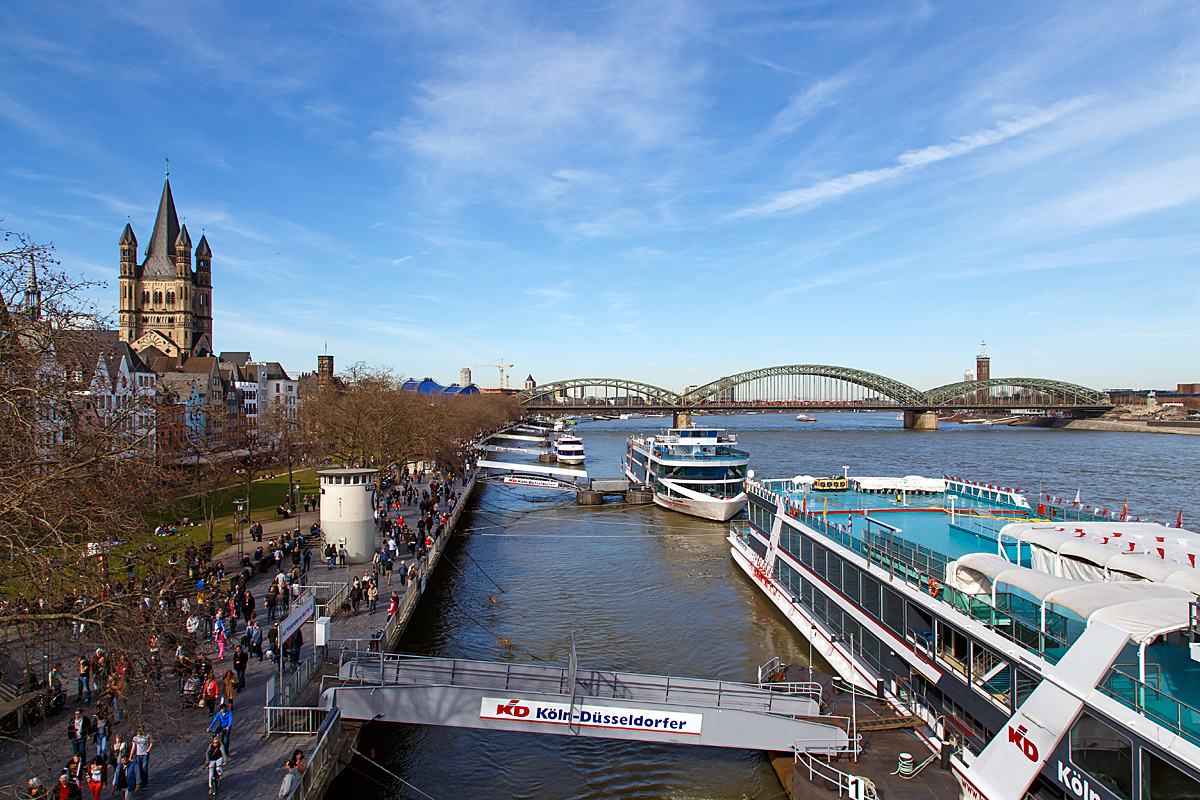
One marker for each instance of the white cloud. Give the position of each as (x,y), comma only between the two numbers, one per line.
(835,187)
(1161,186)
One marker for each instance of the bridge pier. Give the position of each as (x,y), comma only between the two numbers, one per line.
(920,420)
(682,419)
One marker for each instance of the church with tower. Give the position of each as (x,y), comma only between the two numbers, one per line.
(165,303)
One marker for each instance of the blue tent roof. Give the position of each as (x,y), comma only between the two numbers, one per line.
(434,389)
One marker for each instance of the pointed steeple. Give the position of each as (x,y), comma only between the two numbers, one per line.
(183,241)
(202,249)
(33,295)
(160,253)
(127,237)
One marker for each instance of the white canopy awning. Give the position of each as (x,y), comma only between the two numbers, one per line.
(1145,619)
(1087,598)
(1143,608)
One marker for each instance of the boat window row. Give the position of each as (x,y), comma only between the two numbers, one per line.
(677,471)
(866,646)
(1108,757)
(981,667)
(881,603)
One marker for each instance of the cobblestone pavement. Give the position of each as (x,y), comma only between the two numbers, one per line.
(177,762)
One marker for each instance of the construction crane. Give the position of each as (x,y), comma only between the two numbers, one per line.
(501,366)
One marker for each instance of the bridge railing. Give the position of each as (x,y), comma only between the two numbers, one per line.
(325,750)
(299,720)
(392,668)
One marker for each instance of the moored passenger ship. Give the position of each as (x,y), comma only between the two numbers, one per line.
(1052,658)
(695,471)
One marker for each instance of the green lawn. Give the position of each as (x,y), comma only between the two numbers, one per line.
(266,495)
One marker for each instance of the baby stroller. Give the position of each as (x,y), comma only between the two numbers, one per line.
(191,691)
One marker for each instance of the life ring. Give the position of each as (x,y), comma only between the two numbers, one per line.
(934,587)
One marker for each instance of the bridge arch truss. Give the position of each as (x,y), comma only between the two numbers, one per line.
(800,383)
(1033,392)
(608,388)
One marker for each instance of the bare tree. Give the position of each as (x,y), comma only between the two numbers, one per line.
(77,485)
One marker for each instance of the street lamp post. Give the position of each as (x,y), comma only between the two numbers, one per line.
(241,519)
(296,505)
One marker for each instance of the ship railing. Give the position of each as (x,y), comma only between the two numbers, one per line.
(1153,703)
(808,689)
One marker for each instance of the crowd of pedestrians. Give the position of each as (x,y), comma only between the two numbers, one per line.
(228,625)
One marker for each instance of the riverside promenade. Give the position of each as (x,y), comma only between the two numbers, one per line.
(269,721)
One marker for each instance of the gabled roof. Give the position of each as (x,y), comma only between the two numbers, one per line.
(273,371)
(202,250)
(127,236)
(239,357)
(160,252)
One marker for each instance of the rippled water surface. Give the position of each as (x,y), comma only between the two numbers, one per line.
(646,590)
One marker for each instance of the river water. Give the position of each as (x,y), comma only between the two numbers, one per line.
(651,591)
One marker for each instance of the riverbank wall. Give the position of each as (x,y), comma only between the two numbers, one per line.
(347,740)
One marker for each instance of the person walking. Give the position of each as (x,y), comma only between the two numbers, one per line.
(97,776)
(255,633)
(229,685)
(356,595)
(240,659)
(79,730)
(68,789)
(141,745)
(125,778)
(272,601)
(291,780)
(211,692)
(100,734)
(85,681)
(372,596)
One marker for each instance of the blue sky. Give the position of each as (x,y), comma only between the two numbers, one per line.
(668,191)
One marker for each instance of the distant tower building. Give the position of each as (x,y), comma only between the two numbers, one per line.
(968,376)
(983,369)
(324,371)
(530,383)
(464,377)
(164,302)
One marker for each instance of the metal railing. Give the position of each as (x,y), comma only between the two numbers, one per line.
(330,595)
(846,784)
(324,752)
(382,669)
(301,720)
(292,685)
(1154,703)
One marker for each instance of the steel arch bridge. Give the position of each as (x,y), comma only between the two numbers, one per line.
(1037,391)
(816,386)
(893,390)
(656,394)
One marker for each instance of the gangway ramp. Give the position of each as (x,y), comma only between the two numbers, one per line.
(542,698)
(518,437)
(536,475)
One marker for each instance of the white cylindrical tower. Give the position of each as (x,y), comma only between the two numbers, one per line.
(348,511)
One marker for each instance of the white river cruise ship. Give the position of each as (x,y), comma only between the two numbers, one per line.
(695,471)
(1054,654)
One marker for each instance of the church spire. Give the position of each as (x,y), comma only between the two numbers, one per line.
(33,295)
(160,252)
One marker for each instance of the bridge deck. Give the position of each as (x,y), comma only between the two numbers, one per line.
(550,699)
